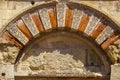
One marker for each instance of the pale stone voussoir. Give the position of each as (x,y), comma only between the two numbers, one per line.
(61,10)
(17,34)
(77,15)
(45,18)
(30,24)
(104,34)
(91,24)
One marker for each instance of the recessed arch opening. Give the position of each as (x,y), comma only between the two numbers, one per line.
(65,42)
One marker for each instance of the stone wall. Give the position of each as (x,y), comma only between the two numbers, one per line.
(10,8)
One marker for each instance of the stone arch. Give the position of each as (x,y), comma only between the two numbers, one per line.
(63,16)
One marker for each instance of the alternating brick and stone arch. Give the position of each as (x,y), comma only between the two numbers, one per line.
(70,17)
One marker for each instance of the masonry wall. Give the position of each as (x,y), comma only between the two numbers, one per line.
(9,8)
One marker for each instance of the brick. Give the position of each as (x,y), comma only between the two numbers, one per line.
(53,17)
(84,21)
(27,19)
(104,34)
(114,37)
(8,71)
(17,34)
(7,36)
(91,24)
(68,17)
(98,29)
(24,29)
(45,18)
(37,21)
(77,14)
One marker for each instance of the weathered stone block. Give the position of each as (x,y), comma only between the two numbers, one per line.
(61,10)
(30,24)
(45,18)
(115,72)
(77,14)
(92,24)
(104,34)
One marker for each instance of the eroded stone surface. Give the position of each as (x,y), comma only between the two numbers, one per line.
(6,72)
(55,54)
(8,53)
(77,14)
(92,24)
(104,34)
(61,9)
(45,18)
(54,64)
(17,34)
(30,24)
(114,51)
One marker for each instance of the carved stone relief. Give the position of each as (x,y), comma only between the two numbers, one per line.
(8,53)
(114,51)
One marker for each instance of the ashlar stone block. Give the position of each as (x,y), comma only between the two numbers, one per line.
(6,72)
(115,72)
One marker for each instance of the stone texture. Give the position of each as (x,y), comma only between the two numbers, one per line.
(68,17)
(45,18)
(110,7)
(104,34)
(114,51)
(20,24)
(8,54)
(77,14)
(91,24)
(54,64)
(17,34)
(98,29)
(7,72)
(36,19)
(30,24)
(115,72)
(53,17)
(84,20)
(61,10)
(114,37)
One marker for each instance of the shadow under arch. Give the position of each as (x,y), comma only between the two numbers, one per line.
(27,51)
